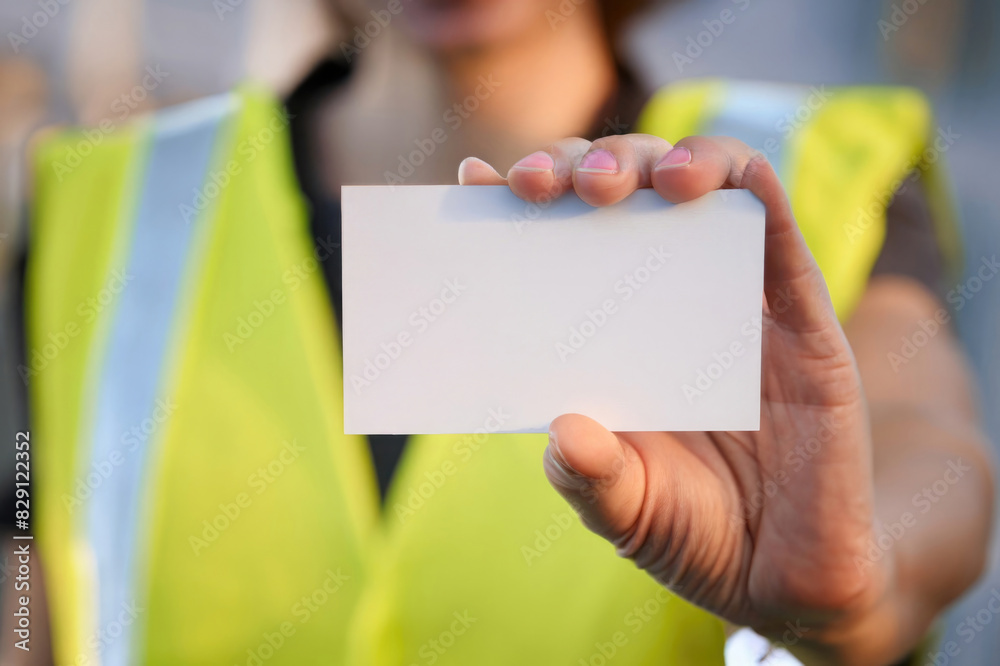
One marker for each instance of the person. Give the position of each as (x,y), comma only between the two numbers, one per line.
(243,495)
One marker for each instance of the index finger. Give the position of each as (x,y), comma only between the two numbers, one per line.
(701,164)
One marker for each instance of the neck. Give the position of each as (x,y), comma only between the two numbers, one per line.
(548,84)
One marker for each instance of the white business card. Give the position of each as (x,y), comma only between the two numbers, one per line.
(467,309)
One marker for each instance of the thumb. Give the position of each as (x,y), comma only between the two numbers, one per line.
(599,474)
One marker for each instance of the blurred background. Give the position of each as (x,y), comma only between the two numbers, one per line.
(75,62)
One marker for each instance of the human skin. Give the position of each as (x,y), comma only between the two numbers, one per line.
(553,82)
(676,503)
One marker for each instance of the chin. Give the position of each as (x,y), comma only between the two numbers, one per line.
(462,25)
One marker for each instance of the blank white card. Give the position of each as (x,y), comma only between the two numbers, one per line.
(467,310)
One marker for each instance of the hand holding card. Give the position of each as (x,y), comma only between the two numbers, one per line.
(757,526)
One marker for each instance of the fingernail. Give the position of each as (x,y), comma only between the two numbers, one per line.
(677,157)
(462,166)
(598,161)
(558,469)
(538,161)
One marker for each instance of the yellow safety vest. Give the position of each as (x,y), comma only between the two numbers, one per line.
(199,502)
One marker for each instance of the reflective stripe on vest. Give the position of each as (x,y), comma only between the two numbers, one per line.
(251,533)
(194,486)
(131,373)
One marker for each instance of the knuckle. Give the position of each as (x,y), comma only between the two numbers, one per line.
(609,142)
(563,170)
(753,166)
(568,147)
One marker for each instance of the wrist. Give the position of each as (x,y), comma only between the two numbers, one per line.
(876,627)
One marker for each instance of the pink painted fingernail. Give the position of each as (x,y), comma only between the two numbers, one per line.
(677,157)
(538,161)
(599,161)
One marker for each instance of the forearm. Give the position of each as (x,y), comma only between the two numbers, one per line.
(933,509)
(934,494)
(932,477)
(931,459)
